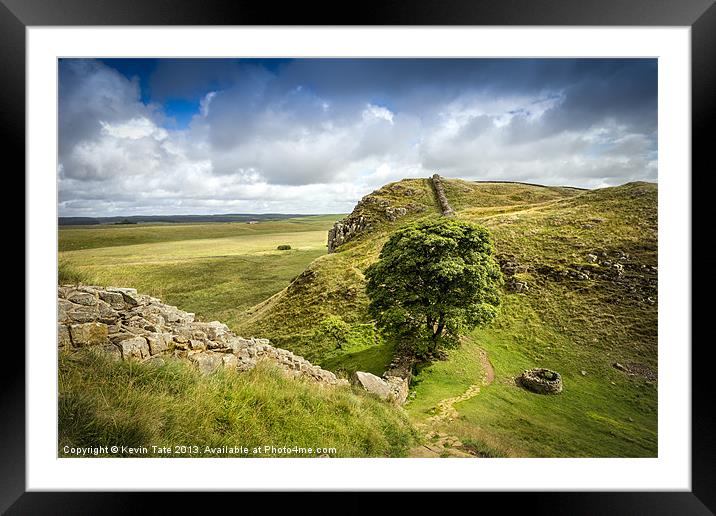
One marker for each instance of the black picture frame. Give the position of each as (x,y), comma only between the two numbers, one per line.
(699,15)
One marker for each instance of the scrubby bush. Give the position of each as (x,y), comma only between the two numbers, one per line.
(284,247)
(334,329)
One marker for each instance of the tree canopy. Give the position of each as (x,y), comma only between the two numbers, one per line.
(434,280)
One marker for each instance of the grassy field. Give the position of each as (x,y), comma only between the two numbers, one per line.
(103,403)
(216,270)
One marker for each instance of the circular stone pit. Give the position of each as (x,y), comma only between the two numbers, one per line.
(541,381)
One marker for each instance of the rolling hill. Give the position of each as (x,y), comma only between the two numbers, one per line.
(581,298)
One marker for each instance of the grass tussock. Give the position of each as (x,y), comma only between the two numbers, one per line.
(69,274)
(106,403)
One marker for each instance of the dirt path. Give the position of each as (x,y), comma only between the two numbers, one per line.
(440,444)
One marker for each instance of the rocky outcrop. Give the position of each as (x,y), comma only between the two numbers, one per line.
(344,230)
(372,209)
(131,326)
(440,194)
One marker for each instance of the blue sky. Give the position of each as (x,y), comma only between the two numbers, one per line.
(180,136)
(181,106)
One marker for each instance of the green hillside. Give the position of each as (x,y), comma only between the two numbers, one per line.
(580,298)
(588,260)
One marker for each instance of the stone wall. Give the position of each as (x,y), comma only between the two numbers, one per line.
(131,326)
(440,194)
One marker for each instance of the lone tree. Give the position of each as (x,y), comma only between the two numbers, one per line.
(434,280)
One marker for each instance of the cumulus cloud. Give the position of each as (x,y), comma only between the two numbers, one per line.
(313,136)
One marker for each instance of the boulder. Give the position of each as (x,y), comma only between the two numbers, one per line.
(106,313)
(372,384)
(214,330)
(64,290)
(63,309)
(398,388)
(230,361)
(197,345)
(181,338)
(111,351)
(83,314)
(235,344)
(129,295)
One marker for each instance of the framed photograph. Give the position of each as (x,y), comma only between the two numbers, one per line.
(443,248)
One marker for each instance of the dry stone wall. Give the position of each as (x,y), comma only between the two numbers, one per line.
(131,326)
(440,194)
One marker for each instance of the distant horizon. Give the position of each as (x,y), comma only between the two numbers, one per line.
(169,215)
(286,135)
(311,214)
(308,214)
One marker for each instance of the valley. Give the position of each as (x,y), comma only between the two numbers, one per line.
(580,298)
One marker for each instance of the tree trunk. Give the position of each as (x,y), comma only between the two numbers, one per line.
(438,331)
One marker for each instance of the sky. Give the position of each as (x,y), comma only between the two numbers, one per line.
(215,136)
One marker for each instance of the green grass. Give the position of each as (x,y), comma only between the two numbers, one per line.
(69,274)
(221,272)
(74,238)
(445,379)
(361,347)
(593,417)
(105,403)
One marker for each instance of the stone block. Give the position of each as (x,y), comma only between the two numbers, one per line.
(207,362)
(82,298)
(158,342)
(134,348)
(89,334)
(63,337)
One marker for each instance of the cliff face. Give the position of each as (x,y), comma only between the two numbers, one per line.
(131,326)
(344,230)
